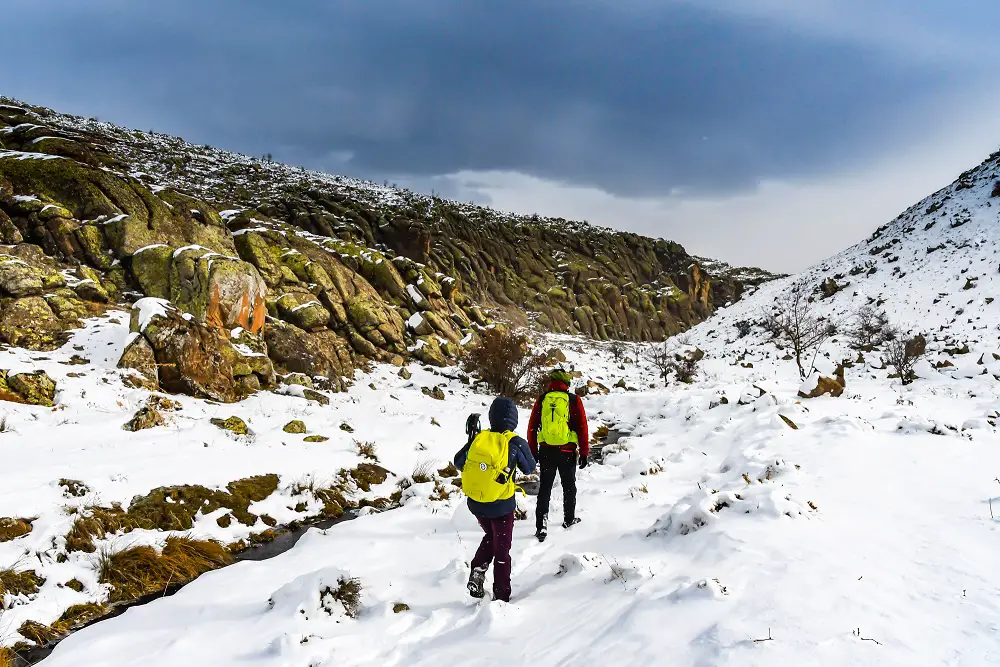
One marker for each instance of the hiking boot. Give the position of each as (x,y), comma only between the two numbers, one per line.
(543,530)
(476,579)
(569,523)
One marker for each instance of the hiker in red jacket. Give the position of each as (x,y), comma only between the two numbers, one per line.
(556,433)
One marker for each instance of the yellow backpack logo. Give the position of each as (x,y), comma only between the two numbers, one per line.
(487,475)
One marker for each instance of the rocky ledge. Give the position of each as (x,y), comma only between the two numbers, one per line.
(242,268)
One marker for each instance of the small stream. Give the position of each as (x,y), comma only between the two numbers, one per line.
(613,437)
(286,539)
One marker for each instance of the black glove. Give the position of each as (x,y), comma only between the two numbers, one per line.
(583,462)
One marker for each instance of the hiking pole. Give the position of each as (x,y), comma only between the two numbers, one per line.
(472,427)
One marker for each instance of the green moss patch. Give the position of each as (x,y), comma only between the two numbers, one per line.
(233,425)
(294,426)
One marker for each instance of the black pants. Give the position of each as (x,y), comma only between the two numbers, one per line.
(552,461)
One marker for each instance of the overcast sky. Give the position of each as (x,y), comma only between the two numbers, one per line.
(763,132)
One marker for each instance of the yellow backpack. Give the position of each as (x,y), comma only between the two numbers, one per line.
(487,475)
(555,420)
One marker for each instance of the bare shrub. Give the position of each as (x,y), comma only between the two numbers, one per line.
(503,359)
(619,350)
(792,321)
(685,364)
(661,356)
(903,352)
(666,360)
(869,328)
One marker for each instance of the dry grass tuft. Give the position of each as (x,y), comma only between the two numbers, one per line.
(141,570)
(77,615)
(449,471)
(6,657)
(442,492)
(170,508)
(423,473)
(38,633)
(367,450)
(600,433)
(11,529)
(25,582)
(96,523)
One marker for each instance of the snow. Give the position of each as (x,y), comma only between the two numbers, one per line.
(21,155)
(415,320)
(873,514)
(810,383)
(307,304)
(150,247)
(415,294)
(181,251)
(150,307)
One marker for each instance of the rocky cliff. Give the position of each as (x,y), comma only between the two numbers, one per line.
(263,268)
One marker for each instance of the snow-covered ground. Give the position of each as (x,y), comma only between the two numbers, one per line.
(711,528)
(762,529)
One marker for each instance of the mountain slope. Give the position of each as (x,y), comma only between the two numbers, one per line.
(935,269)
(114,192)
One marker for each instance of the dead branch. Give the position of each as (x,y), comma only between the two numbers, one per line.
(857,633)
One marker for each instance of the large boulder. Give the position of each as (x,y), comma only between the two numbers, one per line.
(30,322)
(303,310)
(35,388)
(221,290)
(19,278)
(138,356)
(317,354)
(817,385)
(195,359)
(151,269)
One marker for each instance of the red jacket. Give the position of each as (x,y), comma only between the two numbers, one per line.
(577,421)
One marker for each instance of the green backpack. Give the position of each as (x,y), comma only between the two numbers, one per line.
(555,429)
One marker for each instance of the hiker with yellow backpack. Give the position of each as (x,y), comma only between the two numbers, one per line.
(488,463)
(556,433)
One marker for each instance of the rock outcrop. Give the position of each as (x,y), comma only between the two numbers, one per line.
(182,355)
(269,265)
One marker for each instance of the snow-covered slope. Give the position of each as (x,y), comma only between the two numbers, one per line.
(859,537)
(935,269)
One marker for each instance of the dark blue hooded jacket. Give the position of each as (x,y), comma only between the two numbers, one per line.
(503,417)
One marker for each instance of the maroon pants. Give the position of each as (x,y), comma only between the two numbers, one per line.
(495,547)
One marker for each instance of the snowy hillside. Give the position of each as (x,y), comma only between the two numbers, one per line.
(935,269)
(845,530)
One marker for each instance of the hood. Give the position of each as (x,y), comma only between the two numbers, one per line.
(503,415)
(556,385)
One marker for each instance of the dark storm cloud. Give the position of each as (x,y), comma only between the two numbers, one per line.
(636,98)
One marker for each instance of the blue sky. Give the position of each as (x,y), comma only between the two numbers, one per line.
(772,132)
